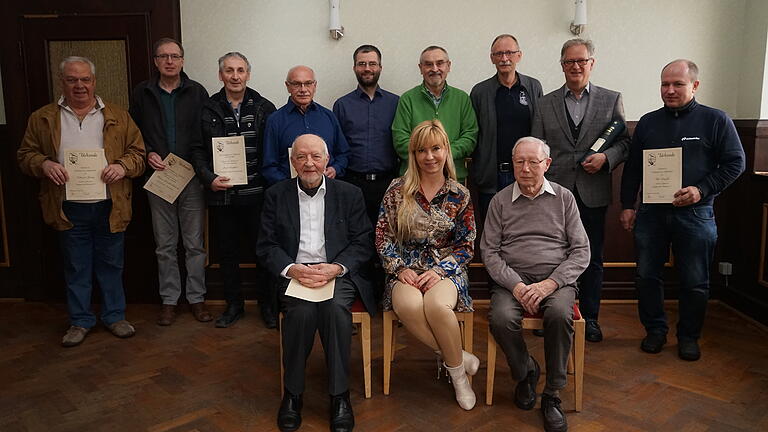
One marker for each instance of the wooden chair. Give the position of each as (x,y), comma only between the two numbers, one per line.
(575,360)
(359,316)
(465,323)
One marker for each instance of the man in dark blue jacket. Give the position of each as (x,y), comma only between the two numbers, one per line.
(713,158)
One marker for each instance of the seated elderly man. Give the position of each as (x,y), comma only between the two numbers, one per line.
(534,247)
(315,230)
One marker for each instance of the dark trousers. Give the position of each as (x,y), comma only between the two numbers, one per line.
(692,232)
(591,281)
(333,320)
(89,249)
(233,222)
(503,179)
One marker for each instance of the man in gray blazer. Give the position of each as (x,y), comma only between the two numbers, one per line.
(570,119)
(504,104)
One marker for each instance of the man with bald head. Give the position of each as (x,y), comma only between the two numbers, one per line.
(713,158)
(301,115)
(315,230)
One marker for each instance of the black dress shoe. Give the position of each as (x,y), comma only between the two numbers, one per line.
(688,350)
(525,391)
(289,415)
(554,417)
(268,315)
(233,313)
(593,332)
(653,343)
(342,418)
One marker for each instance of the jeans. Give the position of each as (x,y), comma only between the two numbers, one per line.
(90,249)
(692,232)
(591,281)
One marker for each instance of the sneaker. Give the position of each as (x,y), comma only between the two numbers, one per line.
(122,329)
(74,336)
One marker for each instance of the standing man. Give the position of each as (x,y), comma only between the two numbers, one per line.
(315,231)
(435,99)
(91,233)
(301,115)
(167,109)
(505,105)
(534,247)
(236,110)
(570,119)
(365,115)
(713,158)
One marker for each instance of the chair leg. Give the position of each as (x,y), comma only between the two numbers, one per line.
(365,342)
(578,355)
(468,332)
(571,370)
(388,319)
(491,369)
(282,368)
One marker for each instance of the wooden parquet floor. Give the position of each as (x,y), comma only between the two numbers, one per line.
(194,377)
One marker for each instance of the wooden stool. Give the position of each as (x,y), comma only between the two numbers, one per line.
(575,360)
(359,316)
(465,323)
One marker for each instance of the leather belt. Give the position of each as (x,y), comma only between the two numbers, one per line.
(505,167)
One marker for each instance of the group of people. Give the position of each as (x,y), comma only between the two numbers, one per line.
(396,164)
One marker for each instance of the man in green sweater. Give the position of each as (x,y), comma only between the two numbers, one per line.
(435,99)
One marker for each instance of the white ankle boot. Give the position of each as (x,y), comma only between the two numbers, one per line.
(465,396)
(471,362)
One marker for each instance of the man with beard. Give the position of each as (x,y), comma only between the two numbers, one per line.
(435,99)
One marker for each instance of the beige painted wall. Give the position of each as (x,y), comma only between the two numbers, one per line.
(634,39)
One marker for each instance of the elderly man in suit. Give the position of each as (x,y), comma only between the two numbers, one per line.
(315,230)
(570,119)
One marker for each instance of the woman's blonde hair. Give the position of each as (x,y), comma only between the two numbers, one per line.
(425,134)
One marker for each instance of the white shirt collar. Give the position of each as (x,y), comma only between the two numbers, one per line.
(304,194)
(545,187)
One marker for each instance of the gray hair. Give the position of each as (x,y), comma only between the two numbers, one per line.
(234,54)
(433,48)
(325,145)
(576,42)
(505,36)
(76,59)
(693,69)
(543,147)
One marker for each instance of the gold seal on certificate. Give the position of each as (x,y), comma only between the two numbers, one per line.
(168,183)
(662,174)
(229,159)
(84,168)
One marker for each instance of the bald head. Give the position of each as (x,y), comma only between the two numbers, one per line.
(301,85)
(309,157)
(688,66)
(679,82)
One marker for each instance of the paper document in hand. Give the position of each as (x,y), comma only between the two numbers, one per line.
(662,174)
(168,183)
(315,295)
(229,159)
(84,168)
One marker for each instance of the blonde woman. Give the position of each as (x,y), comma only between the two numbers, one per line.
(425,237)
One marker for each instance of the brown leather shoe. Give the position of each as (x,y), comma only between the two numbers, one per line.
(200,312)
(167,315)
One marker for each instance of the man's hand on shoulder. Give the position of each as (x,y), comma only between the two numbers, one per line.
(330,172)
(55,172)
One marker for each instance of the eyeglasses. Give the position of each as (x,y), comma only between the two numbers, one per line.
(363,64)
(531,163)
(439,63)
(581,62)
(172,57)
(500,54)
(299,84)
(73,80)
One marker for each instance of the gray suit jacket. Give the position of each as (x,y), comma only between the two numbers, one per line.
(550,123)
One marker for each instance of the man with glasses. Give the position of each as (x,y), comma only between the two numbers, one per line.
(504,104)
(91,231)
(167,109)
(536,271)
(301,115)
(435,99)
(570,119)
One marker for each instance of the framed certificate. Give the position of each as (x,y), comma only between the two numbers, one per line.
(229,159)
(84,168)
(662,174)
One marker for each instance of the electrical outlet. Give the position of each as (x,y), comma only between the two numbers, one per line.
(725,268)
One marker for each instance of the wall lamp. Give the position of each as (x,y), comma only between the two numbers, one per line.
(337,30)
(579,17)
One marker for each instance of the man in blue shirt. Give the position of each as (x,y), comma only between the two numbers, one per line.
(365,115)
(301,115)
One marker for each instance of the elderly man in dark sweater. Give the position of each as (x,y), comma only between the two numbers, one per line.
(534,247)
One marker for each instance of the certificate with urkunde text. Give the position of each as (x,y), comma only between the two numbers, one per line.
(84,168)
(315,295)
(229,159)
(662,174)
(168,183)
